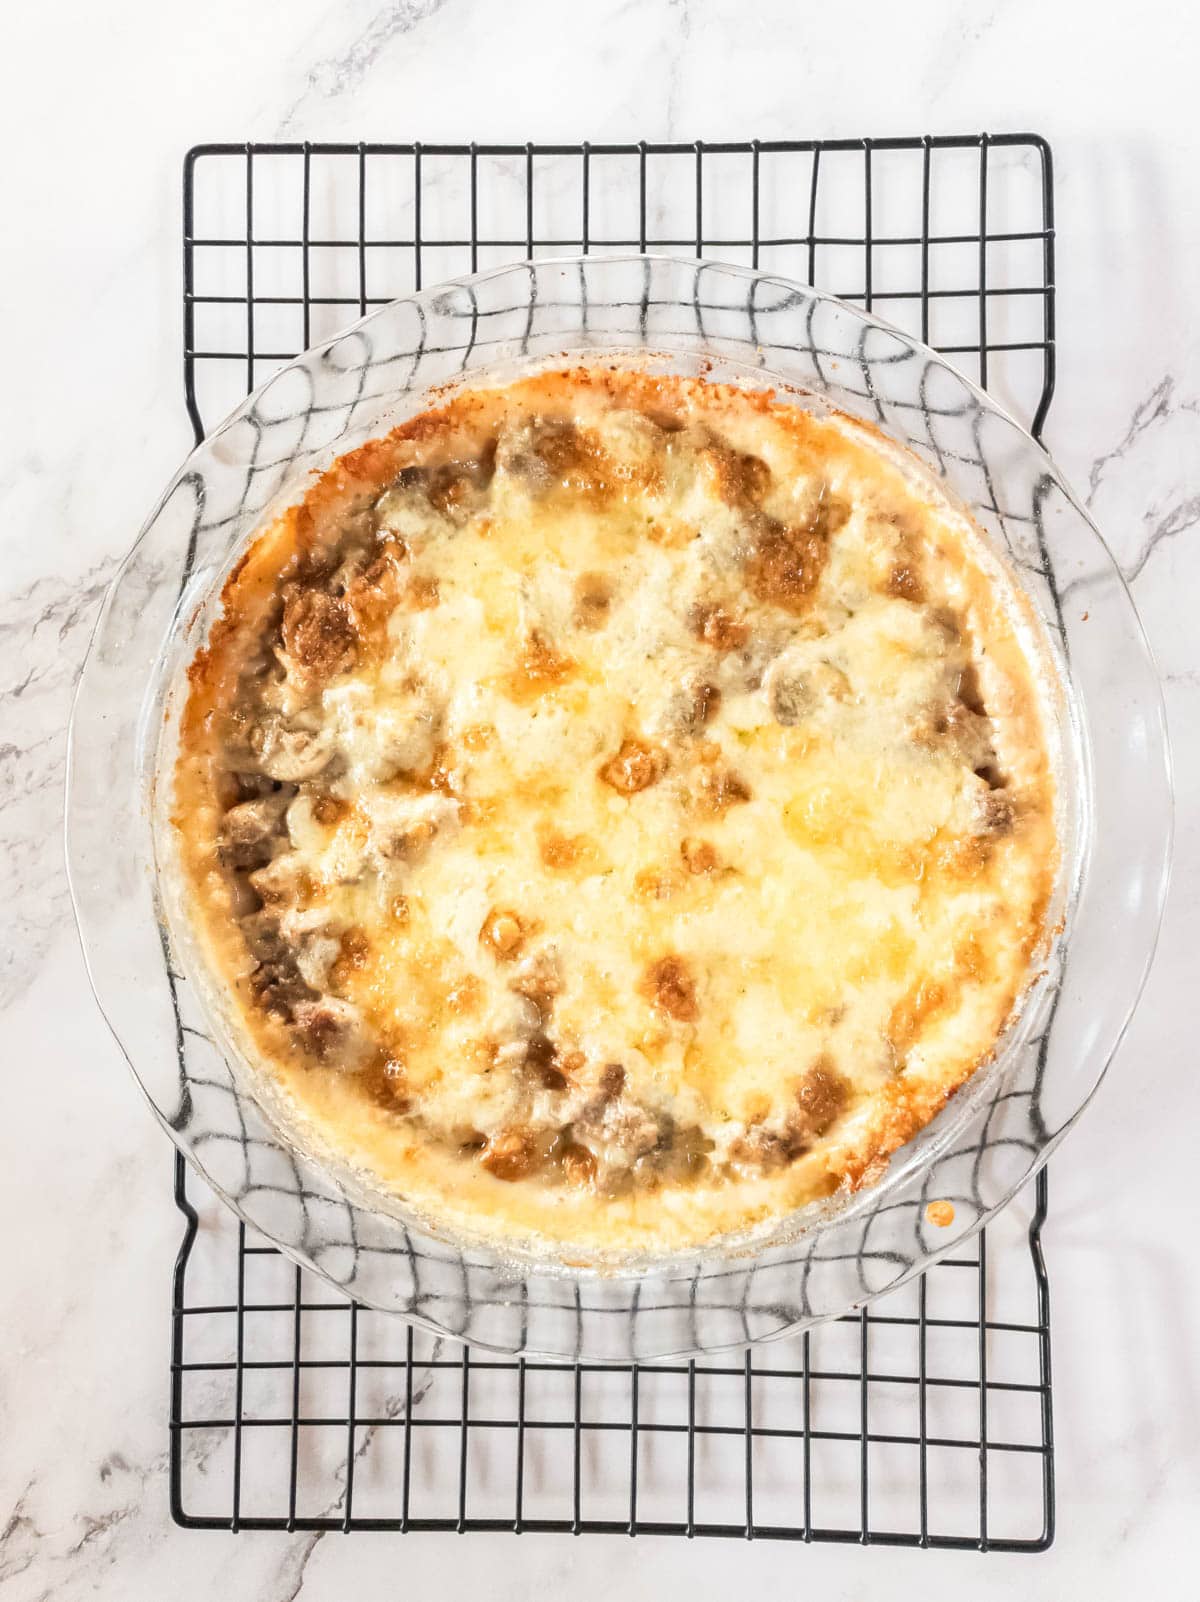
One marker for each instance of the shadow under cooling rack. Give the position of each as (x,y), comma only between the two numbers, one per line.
(923,1420)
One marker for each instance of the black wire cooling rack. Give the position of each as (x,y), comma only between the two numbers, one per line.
(923,1420)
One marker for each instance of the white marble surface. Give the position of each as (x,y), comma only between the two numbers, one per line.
(97,105)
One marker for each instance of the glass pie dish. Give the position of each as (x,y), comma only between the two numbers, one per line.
(692,318)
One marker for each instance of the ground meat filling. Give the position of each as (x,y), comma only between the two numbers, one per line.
(317,635)
(820,1097)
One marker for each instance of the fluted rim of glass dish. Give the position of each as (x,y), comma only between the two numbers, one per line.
(906,1164)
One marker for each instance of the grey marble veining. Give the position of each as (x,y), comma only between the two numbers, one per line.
(44,630)
(341,73)
(1181,511)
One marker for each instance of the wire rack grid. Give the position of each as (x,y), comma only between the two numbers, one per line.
(923,1420)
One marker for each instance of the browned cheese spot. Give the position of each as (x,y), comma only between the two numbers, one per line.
(444,774)
(972,959)
(422,594)
(453,488)
(572,457)
(738,478)
(388,1085)
(636,766)
(478,736)
(924,1002)
(904,582)
(786,566)
(716,626)
(787,561)
(593,596)
(407,844)
(700,856)
(372,595)
(670,988)
(721,788)
(653,884)
(541,668)
(354,950)
(560,851)
(964,856)
(503,933)
(558,457)
(465,997)
(329,809)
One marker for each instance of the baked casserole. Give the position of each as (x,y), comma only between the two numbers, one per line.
(620,808)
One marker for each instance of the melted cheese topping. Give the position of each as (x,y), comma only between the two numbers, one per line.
(633,804)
